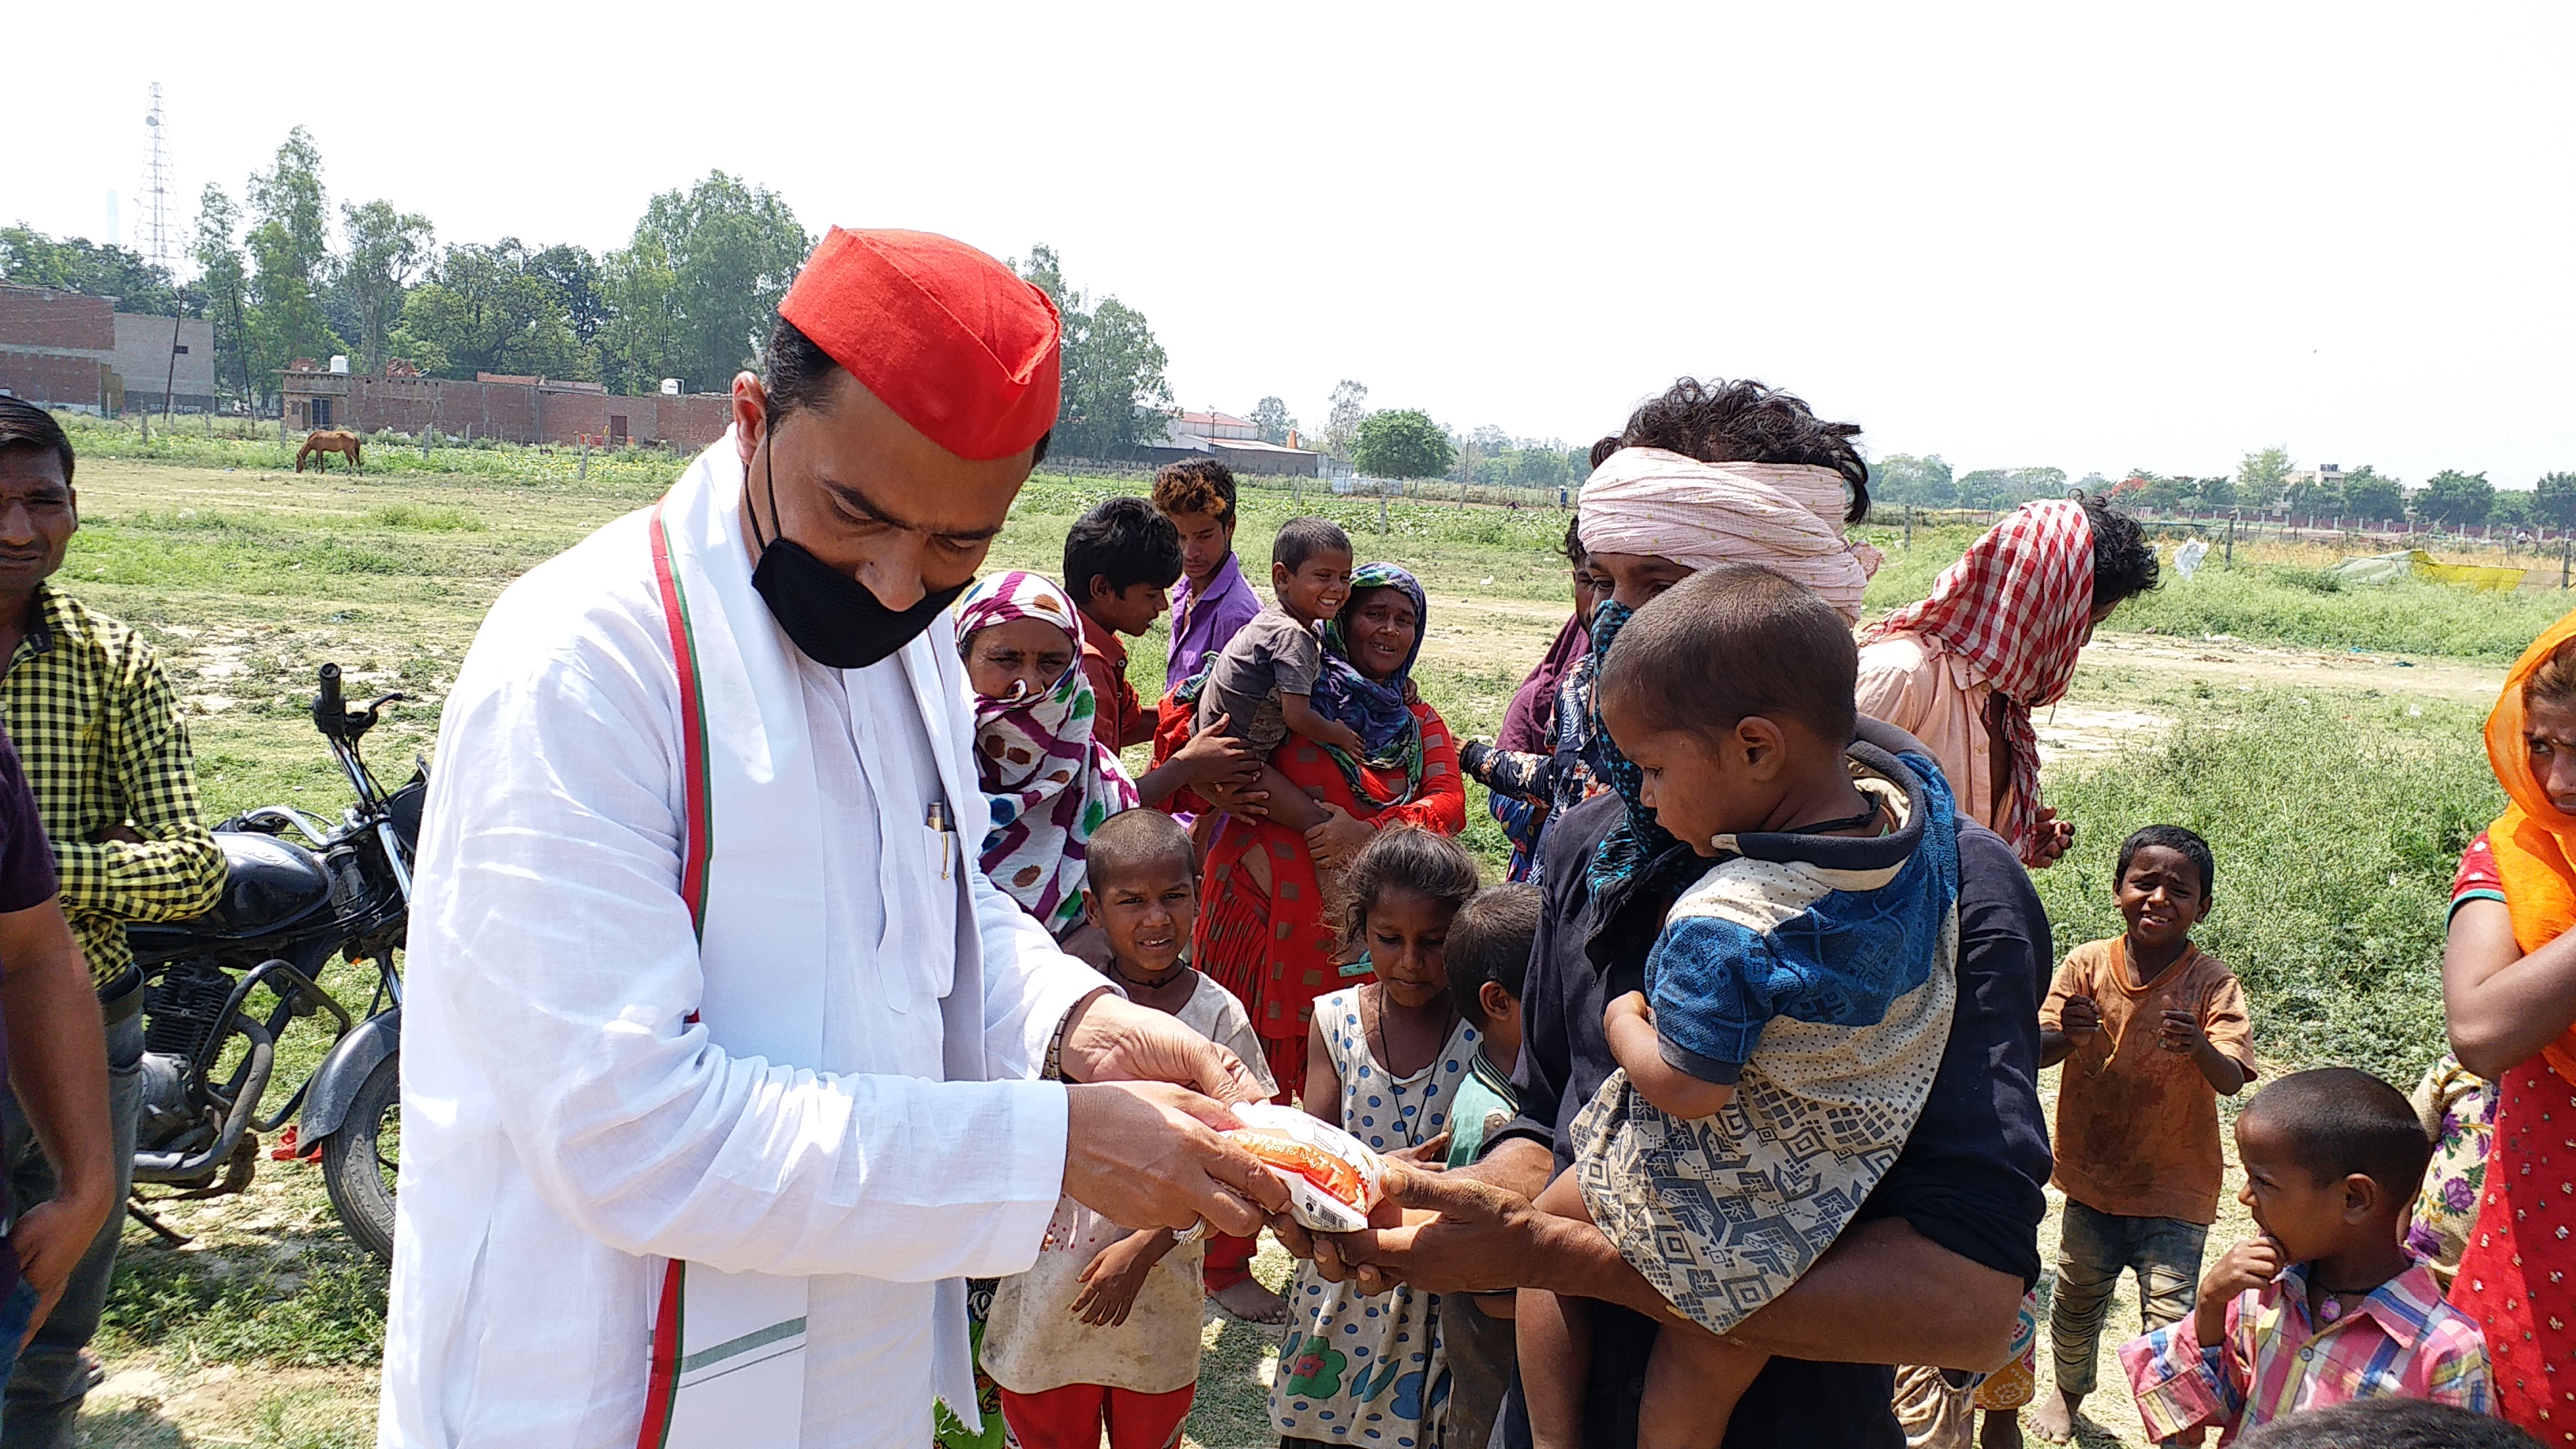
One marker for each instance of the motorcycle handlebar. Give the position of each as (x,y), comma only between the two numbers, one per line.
(330,711)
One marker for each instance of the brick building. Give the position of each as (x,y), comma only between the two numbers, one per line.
(496,405)
(68,350)
(1231,441)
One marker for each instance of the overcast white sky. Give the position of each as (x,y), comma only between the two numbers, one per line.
(2010,235)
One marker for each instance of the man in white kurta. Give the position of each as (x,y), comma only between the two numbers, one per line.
(575,1121)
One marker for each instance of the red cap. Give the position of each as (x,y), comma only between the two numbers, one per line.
(952,340)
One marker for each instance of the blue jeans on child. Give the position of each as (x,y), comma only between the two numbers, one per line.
(2093,1249)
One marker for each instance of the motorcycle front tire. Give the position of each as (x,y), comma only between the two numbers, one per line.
(353,1171)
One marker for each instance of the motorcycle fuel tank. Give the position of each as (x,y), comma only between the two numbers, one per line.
(267,883)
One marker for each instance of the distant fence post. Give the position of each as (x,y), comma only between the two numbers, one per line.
(2565,544)
(1909,525)
(2231,541)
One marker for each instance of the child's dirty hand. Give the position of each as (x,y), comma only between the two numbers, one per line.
(2179,1032)
(1111,1281)
(1431,1156)
(2079,1020)
(2250,1264)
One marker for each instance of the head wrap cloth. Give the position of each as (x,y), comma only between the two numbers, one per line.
(956,343)
(1787,517)
(2018,606)
(2534,841)
(1048,783)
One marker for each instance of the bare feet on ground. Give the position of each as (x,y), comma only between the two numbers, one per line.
(1252,1303)
(2002,1430)
(2053,1417)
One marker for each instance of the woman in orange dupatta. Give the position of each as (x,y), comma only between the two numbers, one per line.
(2509,987)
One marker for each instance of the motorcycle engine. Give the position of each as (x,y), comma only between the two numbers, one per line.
(182,1015)
(168,1121)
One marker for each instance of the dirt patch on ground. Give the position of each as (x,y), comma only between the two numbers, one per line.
(2232,661)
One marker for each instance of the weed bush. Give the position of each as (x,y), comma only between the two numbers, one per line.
(2336,826)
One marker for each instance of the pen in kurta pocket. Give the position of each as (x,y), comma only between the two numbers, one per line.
(938,820)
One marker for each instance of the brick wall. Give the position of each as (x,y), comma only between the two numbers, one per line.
(42,317)
(62,379)
(512,412)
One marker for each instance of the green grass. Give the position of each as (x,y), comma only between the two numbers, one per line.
(2336,823)
(2269,603)
(2336,820)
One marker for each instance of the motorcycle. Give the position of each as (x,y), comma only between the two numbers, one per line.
(289,905)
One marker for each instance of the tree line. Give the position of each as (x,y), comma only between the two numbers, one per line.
(2265,481)
(691,296)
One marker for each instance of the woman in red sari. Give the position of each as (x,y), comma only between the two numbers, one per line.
(2509,986)
(1262,928)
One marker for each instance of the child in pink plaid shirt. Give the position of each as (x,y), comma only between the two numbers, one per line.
(2325,1306)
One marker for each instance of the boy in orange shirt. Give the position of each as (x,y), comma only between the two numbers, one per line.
(2151,1030)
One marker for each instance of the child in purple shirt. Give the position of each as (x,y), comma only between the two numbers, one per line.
(1212,601)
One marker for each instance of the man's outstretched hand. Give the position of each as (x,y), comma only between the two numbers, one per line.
(1147,1155)
(1110,1039)
(1439,1231)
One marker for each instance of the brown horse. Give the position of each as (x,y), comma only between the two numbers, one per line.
(332,440)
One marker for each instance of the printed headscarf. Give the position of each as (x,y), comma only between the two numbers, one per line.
(2018,606)
(2534,841)
(1787,517)
(1048,782)
(1379,711)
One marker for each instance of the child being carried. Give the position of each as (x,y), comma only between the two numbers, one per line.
(1801,990)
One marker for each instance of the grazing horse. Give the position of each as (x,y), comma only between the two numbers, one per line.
(331,440)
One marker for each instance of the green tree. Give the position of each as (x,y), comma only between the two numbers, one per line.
(638,340)
(1401,444)
(387,249)
(2512,509)
(2156,492)
(491,309)
(575,276)
(1903,478)
(2214,493)
(2262,477)
(1270,419)
(2369,498)
(74,264)
(730,251)
(2456,499)
(2314,496)
(290,258)
(2553,500)
(1116,395)
(1342,426)
(225,281)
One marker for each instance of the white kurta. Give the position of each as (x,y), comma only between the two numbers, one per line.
(563,1121)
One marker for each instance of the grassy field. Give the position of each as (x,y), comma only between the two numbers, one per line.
(2336,787)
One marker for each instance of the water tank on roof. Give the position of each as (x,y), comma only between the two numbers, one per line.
(340,364)
(670,387)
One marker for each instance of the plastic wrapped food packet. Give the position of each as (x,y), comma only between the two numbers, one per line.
(1333,1178)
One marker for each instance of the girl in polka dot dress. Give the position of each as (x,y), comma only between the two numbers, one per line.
(1385,1062)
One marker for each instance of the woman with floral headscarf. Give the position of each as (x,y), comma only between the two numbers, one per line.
(1048,782)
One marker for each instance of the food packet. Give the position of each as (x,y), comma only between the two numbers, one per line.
(1333,1178)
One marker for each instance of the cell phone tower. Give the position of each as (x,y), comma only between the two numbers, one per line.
(152,229)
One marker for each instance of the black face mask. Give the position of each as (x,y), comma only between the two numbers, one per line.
(834,618)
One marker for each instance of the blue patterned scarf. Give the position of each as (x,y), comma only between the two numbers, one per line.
(1638,854)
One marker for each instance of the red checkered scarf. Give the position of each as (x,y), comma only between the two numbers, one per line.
(2018,607)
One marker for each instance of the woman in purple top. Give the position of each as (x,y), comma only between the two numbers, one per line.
(1212,600)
